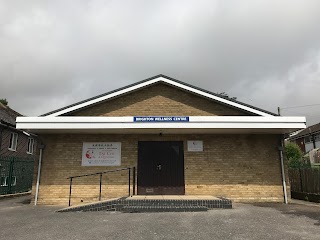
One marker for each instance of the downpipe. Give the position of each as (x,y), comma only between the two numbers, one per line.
(41,147)
(284,185)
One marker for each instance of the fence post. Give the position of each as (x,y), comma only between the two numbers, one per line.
(70,191)
(129,170)
(100,186)
(318,179)
(301,185)
(10,175)
(134,180)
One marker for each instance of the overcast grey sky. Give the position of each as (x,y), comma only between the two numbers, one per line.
(266,53)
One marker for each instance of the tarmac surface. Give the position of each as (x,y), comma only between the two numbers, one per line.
(20,220)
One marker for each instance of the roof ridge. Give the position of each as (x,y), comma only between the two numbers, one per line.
(8,115)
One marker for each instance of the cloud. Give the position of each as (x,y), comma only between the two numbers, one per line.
(54,53)
(291,90)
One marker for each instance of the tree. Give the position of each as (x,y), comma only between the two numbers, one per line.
(225,95)
(294,155)
(4,101)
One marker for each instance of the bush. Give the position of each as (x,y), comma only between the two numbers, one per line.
(4,101)
(294,155)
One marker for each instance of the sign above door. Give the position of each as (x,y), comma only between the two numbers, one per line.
(161,119)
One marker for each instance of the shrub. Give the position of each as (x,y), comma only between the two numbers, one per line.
(294,155)
(4,101)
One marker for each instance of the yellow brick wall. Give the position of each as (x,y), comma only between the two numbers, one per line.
(240,167)
(159,100)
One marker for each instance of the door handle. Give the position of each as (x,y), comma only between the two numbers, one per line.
(159,167)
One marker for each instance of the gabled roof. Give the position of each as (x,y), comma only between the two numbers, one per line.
(307,131)
(8,115)
(154,80)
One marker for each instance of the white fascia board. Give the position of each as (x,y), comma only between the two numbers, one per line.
(127,123)
(159,79)
(129,119)
(111,95)
(190,125)
(208,95)
(247,119)
(67,119)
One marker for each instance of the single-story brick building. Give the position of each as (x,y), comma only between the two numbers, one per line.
(184,140)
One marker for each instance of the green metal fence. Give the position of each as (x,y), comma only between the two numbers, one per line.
(16,174)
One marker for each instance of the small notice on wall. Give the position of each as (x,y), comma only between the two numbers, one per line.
(101,154)
(195,146)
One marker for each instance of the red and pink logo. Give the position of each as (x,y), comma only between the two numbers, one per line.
(89,154)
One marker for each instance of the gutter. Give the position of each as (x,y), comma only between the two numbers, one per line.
(196,122)
(7,124)
(13,128)
(304,135)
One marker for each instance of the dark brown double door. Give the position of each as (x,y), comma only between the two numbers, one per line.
(160,168)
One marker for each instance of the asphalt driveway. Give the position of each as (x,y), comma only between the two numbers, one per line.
(20,220)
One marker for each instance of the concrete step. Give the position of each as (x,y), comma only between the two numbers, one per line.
(157,208)
(210,204)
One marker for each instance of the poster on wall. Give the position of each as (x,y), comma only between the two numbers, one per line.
(101,154)
(195,146)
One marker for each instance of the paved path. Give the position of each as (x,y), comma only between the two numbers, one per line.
(20,220)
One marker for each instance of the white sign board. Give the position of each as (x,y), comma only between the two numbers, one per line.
(195,146)
(101,154)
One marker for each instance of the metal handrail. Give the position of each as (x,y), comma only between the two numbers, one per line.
(109,171)
(91,174)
